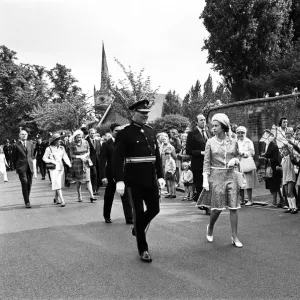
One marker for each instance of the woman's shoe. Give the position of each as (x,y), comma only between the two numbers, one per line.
(54,200)
(63,204)
(93,199)
(80,200)
(210,238)
(288,211)
(294,211)
(237,244)
(249,203)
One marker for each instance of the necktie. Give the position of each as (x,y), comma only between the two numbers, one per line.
(203,134)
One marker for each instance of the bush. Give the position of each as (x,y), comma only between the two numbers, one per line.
(168,122)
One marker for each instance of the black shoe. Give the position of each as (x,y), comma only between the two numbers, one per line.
(294,211)
(96,193)
(129,222)
(288,211)
(168,196)
(54,201)
(108,220)
(93,199)
(173,196)
(133,231)
(27,205)
(279,205)
(145,256)
(43,178)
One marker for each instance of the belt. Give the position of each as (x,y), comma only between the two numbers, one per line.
(219,168)
(142,159)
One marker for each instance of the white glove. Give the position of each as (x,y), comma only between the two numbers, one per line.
(234,161)
(120,188)
(161,182)
(104,181)
(205,182)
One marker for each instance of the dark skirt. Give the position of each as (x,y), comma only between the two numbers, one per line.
(274,183)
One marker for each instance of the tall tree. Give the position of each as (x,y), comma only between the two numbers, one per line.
(172,105)
(243,36)
(222,93)
(21,87)
(63,83)
(132,88)
(208,92)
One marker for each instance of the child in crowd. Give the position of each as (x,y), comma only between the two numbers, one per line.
(288,179)
(170,169)
(187,179)
(3,165)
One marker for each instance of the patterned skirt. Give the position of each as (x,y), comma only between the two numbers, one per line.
(223,191)
(80,171)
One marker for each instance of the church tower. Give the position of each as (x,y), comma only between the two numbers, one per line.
(103,97)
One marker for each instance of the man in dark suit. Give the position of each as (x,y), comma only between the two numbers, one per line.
(195,147)
(7,149)
(106,174)
(95,147)
(22,156)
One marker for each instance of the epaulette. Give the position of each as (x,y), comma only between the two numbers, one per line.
(148,126)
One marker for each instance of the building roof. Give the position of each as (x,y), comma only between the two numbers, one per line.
(156,109)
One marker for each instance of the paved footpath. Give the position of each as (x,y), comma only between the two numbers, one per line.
(49,252)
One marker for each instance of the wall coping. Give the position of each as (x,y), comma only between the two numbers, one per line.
(252,101)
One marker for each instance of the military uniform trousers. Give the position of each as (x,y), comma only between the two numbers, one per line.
(109,198)
(139,194)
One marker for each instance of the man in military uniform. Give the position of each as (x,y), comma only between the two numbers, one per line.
(137,148)
(38,153)
(7,149)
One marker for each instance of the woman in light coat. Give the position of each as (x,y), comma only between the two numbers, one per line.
(246,149)
(56,154)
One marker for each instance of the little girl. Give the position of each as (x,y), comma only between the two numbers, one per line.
(3,165)
(187,179)
(288,179)
(170,169)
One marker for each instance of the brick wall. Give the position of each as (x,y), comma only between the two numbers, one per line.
(259,114)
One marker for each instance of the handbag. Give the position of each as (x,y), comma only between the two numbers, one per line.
(248,164)
(269,171)
(50,166)
(241,178)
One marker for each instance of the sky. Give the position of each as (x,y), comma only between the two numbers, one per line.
(164,37)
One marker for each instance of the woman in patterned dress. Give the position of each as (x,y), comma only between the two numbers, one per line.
(220,187)
(80,171)
(56,154)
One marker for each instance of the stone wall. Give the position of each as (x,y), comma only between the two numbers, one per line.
(260,114)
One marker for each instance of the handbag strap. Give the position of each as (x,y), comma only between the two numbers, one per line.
(52,152)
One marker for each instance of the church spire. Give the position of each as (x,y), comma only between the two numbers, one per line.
(104,71)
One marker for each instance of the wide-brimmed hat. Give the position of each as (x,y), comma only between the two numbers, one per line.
(54,137)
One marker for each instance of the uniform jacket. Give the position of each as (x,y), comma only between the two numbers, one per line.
(22,156)
(136,141)
(7,149)
(94,150)
(39,150)
(105,164)
(194,145)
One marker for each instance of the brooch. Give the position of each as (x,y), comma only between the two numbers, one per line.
(142,130)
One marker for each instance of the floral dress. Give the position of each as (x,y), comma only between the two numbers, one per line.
(223,186)
(80,170)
